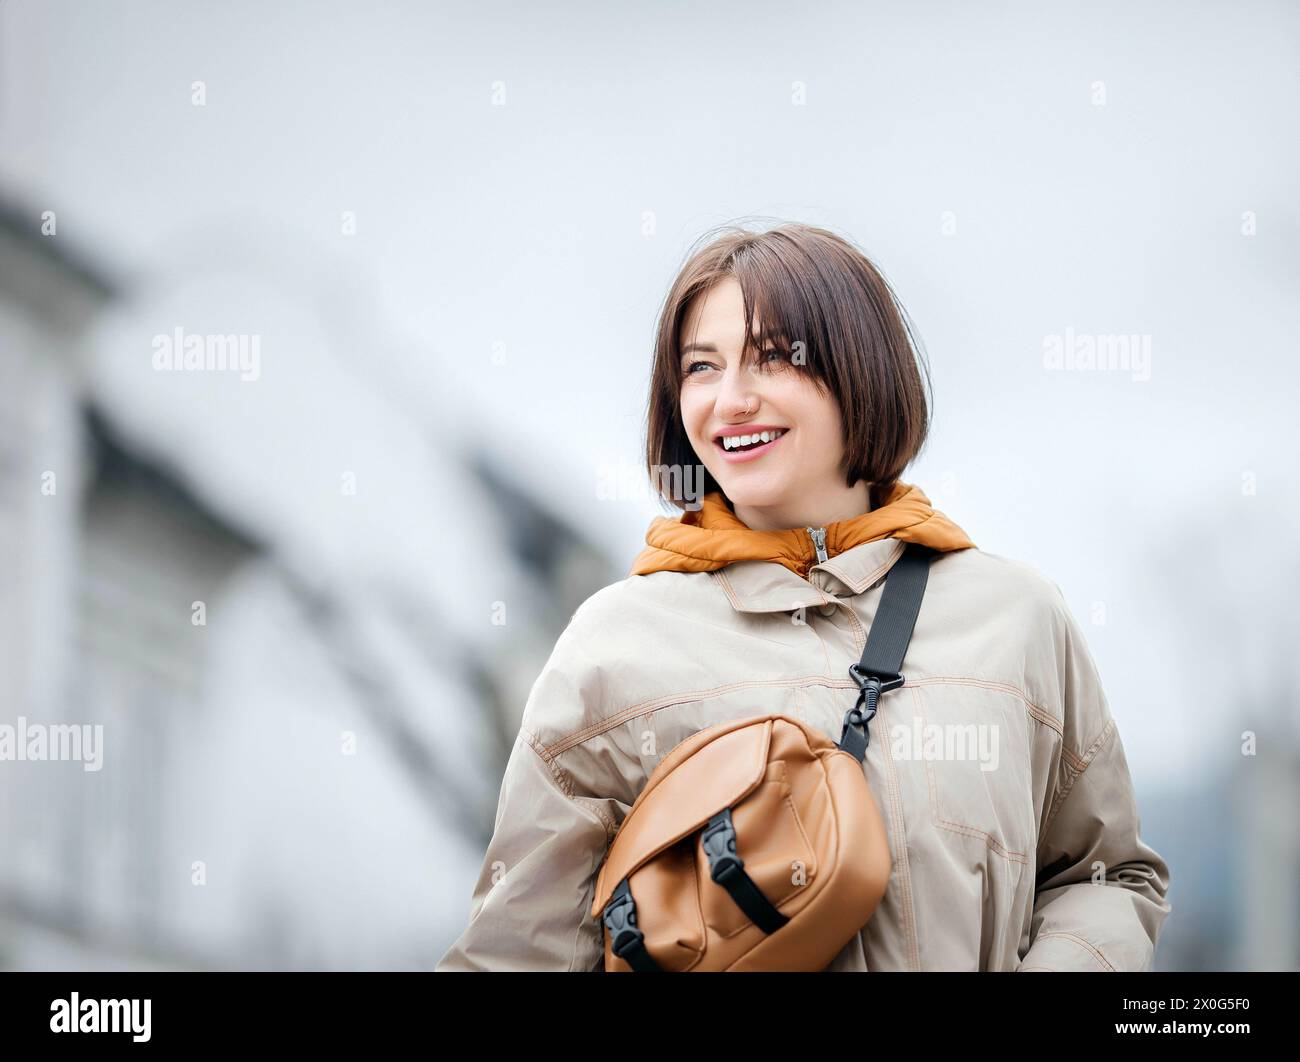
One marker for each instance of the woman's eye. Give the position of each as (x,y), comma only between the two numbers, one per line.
(771,356)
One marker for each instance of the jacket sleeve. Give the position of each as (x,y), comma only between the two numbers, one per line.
(1100,890)
(531,907)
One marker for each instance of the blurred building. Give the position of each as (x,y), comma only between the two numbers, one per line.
(297,772)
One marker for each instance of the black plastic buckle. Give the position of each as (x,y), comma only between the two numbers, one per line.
(719,841)
(870,686)
(883,681)
(620,920)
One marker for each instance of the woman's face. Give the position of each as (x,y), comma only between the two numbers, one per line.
(778,477)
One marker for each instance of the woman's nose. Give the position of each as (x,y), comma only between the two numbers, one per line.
(737,397)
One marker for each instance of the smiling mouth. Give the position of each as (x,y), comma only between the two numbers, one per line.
(739,444)
(749,447)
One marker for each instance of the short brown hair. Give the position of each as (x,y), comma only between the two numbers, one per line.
(811,285)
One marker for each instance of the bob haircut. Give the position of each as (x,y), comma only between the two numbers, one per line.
(812,286)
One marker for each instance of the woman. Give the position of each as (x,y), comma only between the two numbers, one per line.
(784,368)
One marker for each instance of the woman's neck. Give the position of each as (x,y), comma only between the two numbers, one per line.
(808,510)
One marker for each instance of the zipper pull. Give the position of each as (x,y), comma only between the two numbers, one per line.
(819,541)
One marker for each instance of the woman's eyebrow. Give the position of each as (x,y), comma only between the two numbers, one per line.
(710,348)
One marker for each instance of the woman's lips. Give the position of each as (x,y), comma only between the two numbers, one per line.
(736,456)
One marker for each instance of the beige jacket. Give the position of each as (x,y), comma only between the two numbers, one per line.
(998,767)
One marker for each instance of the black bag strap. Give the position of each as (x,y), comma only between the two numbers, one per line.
(891,631)
(728,870)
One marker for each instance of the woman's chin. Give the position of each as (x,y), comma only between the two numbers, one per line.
(752,495)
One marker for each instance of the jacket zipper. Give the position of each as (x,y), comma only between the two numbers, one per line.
(819,541)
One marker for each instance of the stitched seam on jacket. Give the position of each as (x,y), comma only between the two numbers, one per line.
(1042,715)
(884,567)
(1079,941)
(565,782)
(739,605)
(951,824)
(904,864)
(1090,754)
(859,635)
(826,650)
(670,700)
(727,588)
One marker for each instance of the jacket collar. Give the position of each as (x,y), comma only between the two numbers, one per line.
(761,586)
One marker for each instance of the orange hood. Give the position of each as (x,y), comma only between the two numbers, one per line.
(713,536)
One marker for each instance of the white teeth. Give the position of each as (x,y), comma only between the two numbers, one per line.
(730,442)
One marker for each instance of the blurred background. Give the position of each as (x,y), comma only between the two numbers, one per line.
(306,596)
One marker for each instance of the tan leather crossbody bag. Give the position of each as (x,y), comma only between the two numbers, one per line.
(756,844)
